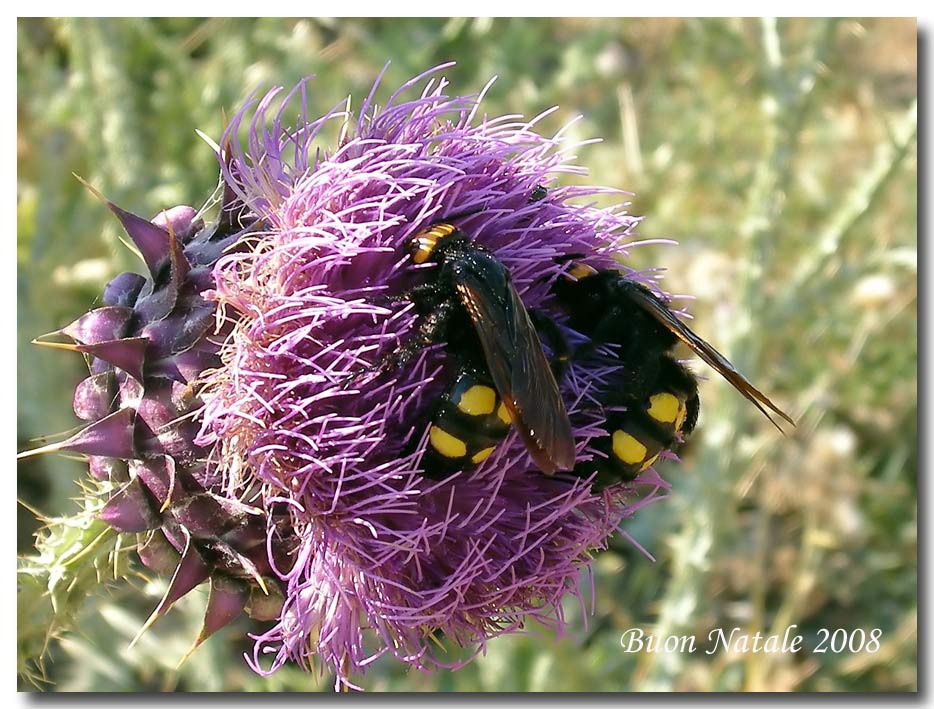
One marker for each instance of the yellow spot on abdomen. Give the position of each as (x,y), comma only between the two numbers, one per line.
(447,445)
(627,448)
(479,400)
(481,456)
(649,463)
(665,407)
(503,414)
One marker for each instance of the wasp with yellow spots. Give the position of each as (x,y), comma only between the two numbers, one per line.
(656,402)
(471,304)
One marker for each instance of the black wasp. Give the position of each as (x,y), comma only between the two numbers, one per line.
(504,376)
(658,392)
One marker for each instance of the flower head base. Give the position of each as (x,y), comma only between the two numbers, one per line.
(146,347)
(382,557)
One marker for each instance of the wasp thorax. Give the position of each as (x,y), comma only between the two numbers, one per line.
(423,245)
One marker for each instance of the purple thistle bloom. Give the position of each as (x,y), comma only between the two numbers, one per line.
(381,558)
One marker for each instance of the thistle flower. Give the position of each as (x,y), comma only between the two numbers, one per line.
(385,559)
(303,499)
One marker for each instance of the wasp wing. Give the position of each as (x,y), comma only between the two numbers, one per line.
(655,307)
(517,364)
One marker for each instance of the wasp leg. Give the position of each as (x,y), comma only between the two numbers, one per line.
(557,342)
(428,331)
(424,296)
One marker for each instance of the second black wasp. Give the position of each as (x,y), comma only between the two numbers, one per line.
(654,402)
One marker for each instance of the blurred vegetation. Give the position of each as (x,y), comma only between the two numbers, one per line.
(782,157)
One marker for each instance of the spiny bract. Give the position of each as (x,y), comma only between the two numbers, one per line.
(147,346)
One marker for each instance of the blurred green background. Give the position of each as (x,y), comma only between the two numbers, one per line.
(780,155)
